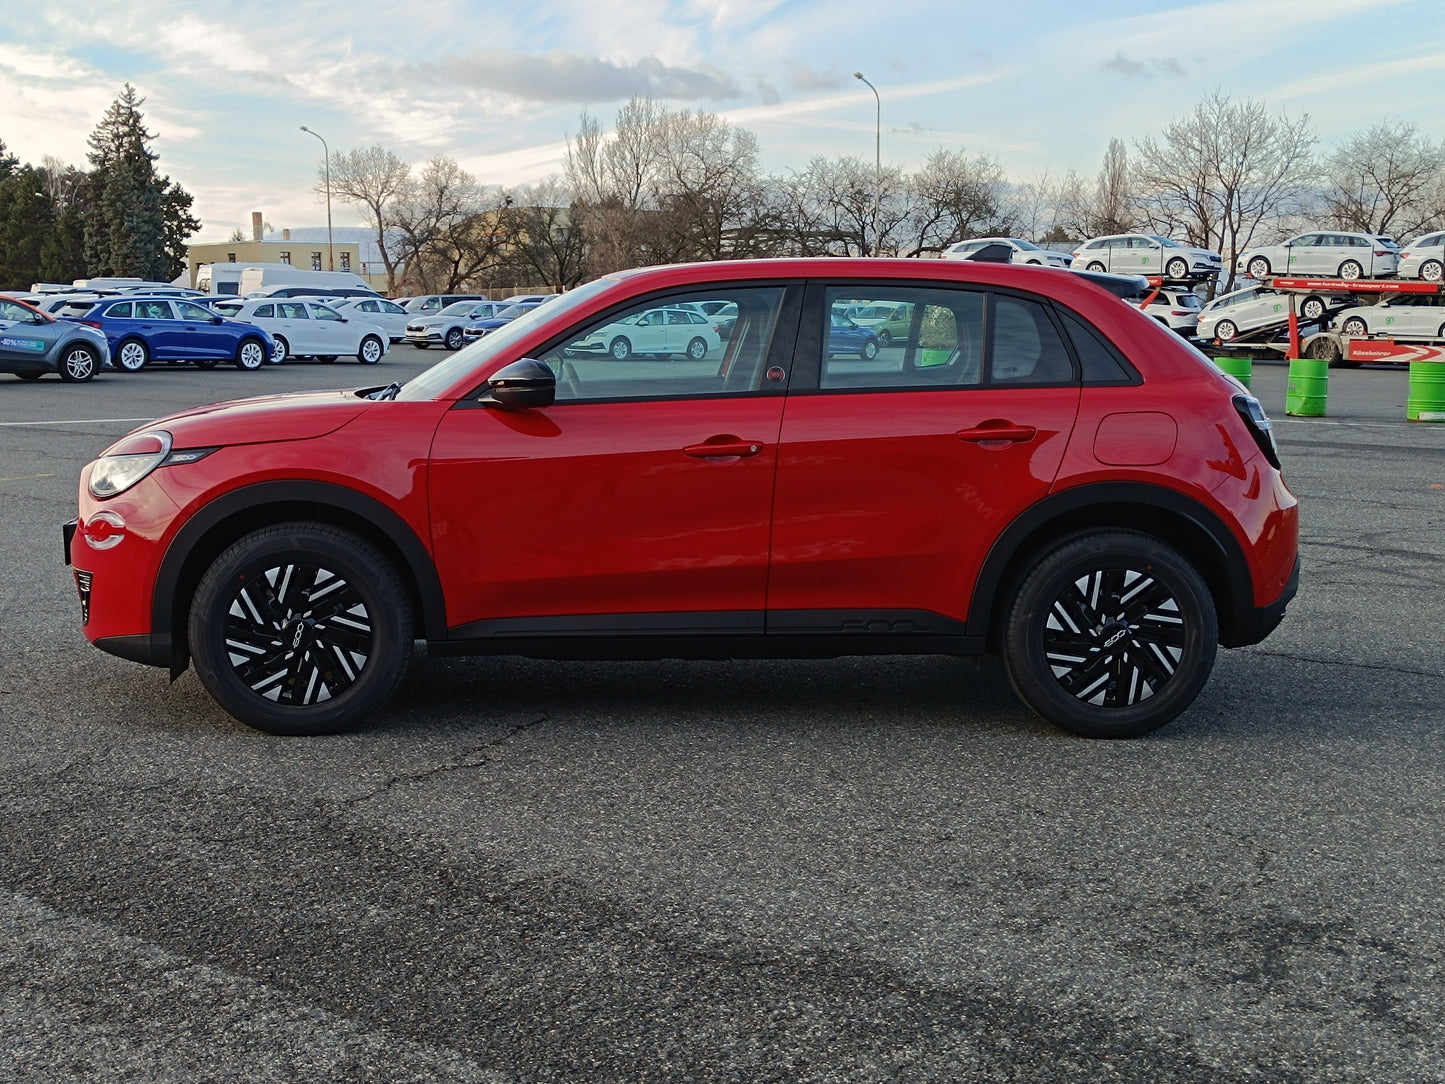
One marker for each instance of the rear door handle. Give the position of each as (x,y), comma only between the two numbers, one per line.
(718,447)
(1004,432)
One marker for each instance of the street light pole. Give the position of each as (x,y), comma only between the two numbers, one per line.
(330,249)
(877,152)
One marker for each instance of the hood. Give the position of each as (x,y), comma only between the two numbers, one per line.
(264,419)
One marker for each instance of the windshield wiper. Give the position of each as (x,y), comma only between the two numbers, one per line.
(388,392)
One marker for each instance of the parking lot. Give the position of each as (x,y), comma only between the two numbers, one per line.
(845,870)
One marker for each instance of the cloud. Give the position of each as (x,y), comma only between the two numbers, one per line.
(803,77)
(575,77)
(1119,64)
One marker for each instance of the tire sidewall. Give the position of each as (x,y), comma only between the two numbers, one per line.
(258,355)
(1023,630)
(365,569)
(361,353)
(131,346)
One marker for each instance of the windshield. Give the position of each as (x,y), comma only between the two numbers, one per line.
(1166,242)
(1027,246)
(511,312)
(458,308)
(446,373)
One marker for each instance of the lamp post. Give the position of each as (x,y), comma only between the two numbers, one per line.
(877,151)
(330,249)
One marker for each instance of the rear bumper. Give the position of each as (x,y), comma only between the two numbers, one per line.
(1258,623)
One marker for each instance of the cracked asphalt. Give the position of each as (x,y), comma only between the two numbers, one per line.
(852,870)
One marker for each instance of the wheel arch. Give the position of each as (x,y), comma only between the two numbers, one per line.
(229,517)
(1195,531)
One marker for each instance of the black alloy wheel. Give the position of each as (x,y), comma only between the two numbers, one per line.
(301,628)
(1110,635)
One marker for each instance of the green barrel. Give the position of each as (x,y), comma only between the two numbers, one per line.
(1305,395)
(1426,401)
(1239,368)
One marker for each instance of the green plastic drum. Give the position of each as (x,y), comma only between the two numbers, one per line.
(1239,368)
(1305,395)
(1426,400)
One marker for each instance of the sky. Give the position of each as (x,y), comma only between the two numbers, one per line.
(1040,85)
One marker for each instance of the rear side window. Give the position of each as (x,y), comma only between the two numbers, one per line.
(265,312)
(119,312)
(1026,345)
(1099,360)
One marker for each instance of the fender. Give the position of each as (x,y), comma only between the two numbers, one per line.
(418,559)
(1062,504)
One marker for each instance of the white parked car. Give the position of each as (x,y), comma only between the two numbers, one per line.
(1327,253)
(657,332)
(1174,307)
(1025,252)
(1424,258)
(431,304)
(447,327)
(1146,254)
(304,328)
(1230,315)
(1418,316)
(375,310)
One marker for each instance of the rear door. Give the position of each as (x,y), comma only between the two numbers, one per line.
(163,332)
(897,473)
(297,326)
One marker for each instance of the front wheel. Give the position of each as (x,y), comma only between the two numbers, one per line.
(132,356)
(1350,270)
(250,355)
(370,351)
(1111,635)
(455,339)
(79,364)
(1225,330)
(885,337)
(870,350)
(300,628)
(1355,327)
(1176,268)
(620,349)
(1258,267)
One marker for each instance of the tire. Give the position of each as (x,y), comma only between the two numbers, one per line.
(1095,266)
(1440,332)
(1312,308)
(1258,267)
(620,349)
(1432,271)
(1354,327)
(282,664)
(697,349)
(885,337)
(282,351)
(1111,634)
(1225,331)
(1177,268)
(250,355)
(132,356)
(455,338)
(370,351)
(79,364)
(869,350)
(1351,270)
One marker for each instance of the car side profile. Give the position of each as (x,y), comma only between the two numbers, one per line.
(1424,258)
(301,327)
(1332,253)
(1036,470)
(141,329)
(1420,316)
(1146,254)
(34,343)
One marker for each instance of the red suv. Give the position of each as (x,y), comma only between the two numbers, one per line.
(1030,466)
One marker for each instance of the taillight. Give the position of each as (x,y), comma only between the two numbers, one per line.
(93,323)
(1259,426)
(1382,252)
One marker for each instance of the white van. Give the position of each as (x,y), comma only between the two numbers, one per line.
(258,277)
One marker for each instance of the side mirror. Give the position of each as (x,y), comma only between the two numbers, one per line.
(522,385)
(218,319)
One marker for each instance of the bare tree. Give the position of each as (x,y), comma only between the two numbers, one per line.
(1224,173)
(954,197)
(1112,212)
(1385,180)
(373,179)
(545,242)
(447,228)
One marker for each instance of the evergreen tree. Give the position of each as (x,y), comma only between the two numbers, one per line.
(27,219)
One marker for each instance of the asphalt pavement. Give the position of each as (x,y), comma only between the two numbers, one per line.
(849,870)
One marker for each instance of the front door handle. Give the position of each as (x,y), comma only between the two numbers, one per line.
(723,447)
(1002,432)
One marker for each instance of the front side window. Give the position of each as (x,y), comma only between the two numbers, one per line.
(192,311)
(293,310)
(654,350)
(323,313)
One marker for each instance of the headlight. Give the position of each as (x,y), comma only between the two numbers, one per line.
(127,461)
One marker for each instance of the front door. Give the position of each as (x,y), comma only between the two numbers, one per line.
(638,504)
(204,337)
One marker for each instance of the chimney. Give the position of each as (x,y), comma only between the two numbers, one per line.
(285,235)
(256,227)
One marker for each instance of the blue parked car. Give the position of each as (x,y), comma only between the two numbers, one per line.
(846,337)
(145,329)
(505,315)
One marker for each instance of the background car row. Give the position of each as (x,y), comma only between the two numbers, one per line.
(301,327)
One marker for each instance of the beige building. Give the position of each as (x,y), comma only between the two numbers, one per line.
(303,248)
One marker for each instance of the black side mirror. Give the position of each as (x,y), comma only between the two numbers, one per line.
(522,385)
(218,319)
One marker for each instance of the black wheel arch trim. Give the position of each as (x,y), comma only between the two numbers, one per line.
(1240,621)
(170,649)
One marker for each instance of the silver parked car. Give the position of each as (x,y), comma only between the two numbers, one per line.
(1024,252)
(1146,254)
(1230,315)
(1419,316)
(1328,253)
(1175,308)
(375,310)
(1424,258)
(446,327)
(34,343)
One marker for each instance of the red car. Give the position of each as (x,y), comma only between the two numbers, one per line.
(1031,467)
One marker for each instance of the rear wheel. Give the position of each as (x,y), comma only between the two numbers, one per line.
(132,356)
(1355,327)
(1095,266)
(697,349)
(250,355)
(1111,635)
(1432,271)
(1225,330)
(370,351)
(1351,270)
(79,364)
(282,351)
(300,628)
(1312,308)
